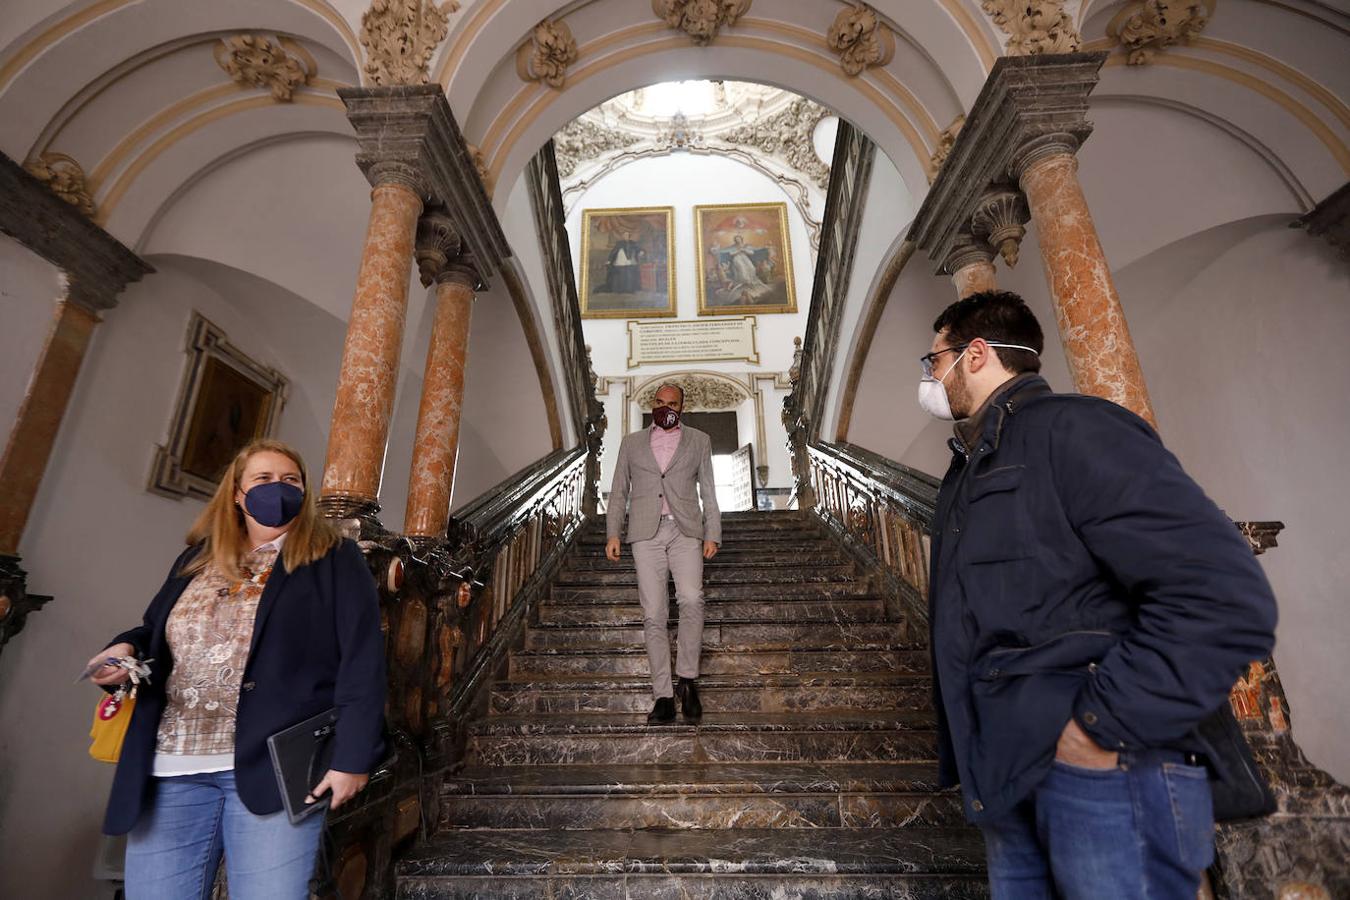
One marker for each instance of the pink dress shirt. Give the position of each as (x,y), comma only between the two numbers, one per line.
(664,444)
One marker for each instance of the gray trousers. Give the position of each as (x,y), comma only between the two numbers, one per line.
(670,553)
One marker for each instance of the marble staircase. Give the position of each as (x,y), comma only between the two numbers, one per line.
(811,775)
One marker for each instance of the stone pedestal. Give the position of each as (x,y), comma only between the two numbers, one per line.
(1097,344)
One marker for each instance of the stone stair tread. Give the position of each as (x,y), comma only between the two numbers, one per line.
(590,682)
(702,778)
(627,596)
(638,650)
(767,576)
(787,852)
(636,723)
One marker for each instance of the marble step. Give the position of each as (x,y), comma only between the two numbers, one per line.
(731,558)
(734,635)
(739,527)
(711,795)
(757,543)
(839,571)
(866,609)
(618,592)
(720,737)
(749,864)
(719,693)
(716,661)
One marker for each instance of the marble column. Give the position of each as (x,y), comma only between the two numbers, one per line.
(436,445)
(34,431)
(1097,344)
(369,375)
(971,265)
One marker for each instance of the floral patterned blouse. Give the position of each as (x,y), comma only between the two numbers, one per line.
(209,633)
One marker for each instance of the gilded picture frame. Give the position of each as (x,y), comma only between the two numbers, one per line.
(628,262)
(744,259)
(226,400)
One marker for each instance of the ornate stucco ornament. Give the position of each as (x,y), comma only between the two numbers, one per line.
(481,167)
(1033,26)
(700,393)
(861,39)
(64,177)
(1145,28)
(787,134)
(680,135)
(946,141)
(547,54)
(700,19)
(582,140)
(252,59)
(400,37)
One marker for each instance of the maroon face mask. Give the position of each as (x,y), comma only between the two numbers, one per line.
(665,417)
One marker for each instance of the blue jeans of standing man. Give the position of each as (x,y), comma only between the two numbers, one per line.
(175,848)
(1143,830)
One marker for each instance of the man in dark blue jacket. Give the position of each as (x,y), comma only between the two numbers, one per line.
(1089,607)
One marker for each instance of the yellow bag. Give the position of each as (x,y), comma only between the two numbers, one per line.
(111,718)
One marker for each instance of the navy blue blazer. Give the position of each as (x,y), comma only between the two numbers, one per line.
(316,645)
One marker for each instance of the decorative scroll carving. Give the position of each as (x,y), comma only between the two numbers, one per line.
(548,53)
(1034,26)
(63,177)
(400,37)
(481,167)
(789,134)
(700,19)
(1000,219)
(582,139)
(680,136)
(946,141)
(1145,28)
(252,59)
(700,392)
(861,39)
(438,244)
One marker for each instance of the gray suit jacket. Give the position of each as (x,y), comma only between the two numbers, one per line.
(639,486)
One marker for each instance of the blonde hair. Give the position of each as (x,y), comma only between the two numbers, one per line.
(221,530)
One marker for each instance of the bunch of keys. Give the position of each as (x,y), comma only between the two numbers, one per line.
(138,670)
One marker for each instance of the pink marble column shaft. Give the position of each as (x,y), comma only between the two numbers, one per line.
(369,376)
(973,278)
(436,446)
(1101,355)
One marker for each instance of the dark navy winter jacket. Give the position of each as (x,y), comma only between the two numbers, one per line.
(1078,571)
(316,645)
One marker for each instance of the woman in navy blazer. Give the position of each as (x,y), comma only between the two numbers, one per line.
(271,618)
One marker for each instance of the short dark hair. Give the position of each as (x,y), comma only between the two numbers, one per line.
(670,384)
(1000,316)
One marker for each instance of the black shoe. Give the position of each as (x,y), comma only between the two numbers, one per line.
(663,713)
(687,691)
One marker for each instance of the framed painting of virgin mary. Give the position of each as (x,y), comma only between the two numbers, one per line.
(744,259)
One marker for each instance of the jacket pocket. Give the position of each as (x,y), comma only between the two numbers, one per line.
(997,526)
(1072,651)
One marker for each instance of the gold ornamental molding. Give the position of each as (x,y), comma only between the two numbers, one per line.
(1148,27)
(63,177)
(400,37)
(861,39)
(547,54)
(251,59)
(1033,26)
(702,20)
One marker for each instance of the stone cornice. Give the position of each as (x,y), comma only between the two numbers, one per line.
(1330,219)
(96,265)
(412,126)
(1028,103)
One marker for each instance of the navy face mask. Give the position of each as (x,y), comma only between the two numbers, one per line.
(275,503)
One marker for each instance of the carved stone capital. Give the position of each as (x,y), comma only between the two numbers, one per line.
(1034,26)
(438,243)
(1000,219)
(96,267)
(1031,107)
(407,134)
(967,251)
(1147,27)
(700,19)
(252,59)
(400,37)
(547,54)
(64,177)
(861,39)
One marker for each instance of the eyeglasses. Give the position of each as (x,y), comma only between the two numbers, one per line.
(928,359)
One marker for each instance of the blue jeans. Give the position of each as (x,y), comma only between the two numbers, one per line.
(1144,829)
(175,848)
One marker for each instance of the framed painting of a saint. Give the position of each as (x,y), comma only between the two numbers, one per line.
(744,259)
(627,262)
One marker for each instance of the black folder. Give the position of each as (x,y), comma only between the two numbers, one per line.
(301,756)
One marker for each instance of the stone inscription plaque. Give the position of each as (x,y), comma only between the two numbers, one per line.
(650,343)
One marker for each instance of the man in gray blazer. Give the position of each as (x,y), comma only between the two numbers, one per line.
(655,482)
